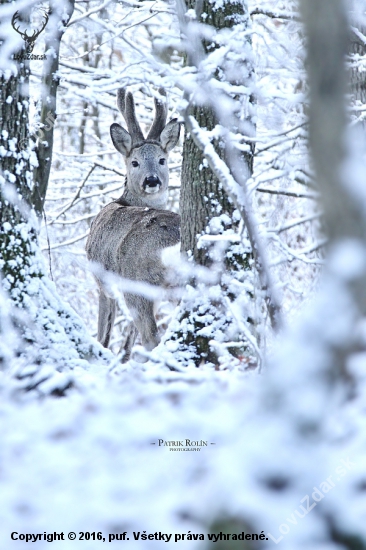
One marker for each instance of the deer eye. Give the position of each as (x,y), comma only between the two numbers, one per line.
(134,163)
(162,161)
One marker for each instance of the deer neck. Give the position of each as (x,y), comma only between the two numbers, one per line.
(137,200)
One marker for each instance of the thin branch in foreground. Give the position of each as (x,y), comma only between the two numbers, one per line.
(275,15)
(299,254)
(294,223)
(111,168)
(48,245)
(66,243)
(76,220)
(77,194)
(248,335)
(94,194)
(84,155)
(88,13)
(285,137)
(288,193)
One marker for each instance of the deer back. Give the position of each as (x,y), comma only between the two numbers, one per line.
(129,240)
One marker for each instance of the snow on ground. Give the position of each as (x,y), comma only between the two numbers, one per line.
(91,461)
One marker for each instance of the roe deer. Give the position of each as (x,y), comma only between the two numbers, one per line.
(128,236)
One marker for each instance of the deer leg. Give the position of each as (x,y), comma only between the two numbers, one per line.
(107,313)
(130,340)
(142,311)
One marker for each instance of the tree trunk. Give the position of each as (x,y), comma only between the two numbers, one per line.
(202,195)
(50,333)
(60,15)
(16,241)
(357,48)
(207,324)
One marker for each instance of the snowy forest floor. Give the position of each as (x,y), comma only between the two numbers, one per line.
(91,461)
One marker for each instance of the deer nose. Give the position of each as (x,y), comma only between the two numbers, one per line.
(151,181)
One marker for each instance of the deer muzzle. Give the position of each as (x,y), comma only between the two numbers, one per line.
(151,184)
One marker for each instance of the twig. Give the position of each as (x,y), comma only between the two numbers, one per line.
(80,68)
(111,168)
(248,335)
(77,220)
(273,144)
(288,193)
(66,243)
(117,35)
(91,195)
(90,12)
(48,244)
(84,155)
(294,223)
(361,37)
(77,195)
(274,15)
(299,255)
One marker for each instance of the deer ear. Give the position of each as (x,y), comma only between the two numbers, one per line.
(170,135)
(121,139)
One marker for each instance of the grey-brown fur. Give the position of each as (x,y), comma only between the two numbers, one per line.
(128,236)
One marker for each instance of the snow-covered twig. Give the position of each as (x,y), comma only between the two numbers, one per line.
(288,193)
(294,223)
(287,16)
(90,12)
(67,243)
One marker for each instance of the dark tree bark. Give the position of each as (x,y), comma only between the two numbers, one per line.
(202,196)
(358,80)
(48,331)
(16,241)
(207,323)
(201,190)
(357,49)
(60,14)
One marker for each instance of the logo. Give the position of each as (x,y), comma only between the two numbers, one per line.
(183,444)
(30,38)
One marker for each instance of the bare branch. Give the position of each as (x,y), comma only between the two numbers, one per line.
(67,243)
(302,195)
(287,16)
(295,223)
(90,12)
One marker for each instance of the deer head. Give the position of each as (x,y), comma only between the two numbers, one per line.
(29,39)
(145,158)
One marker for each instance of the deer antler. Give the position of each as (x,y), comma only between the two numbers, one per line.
(126,106)
(13,20)
(24,35)
(161,112)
